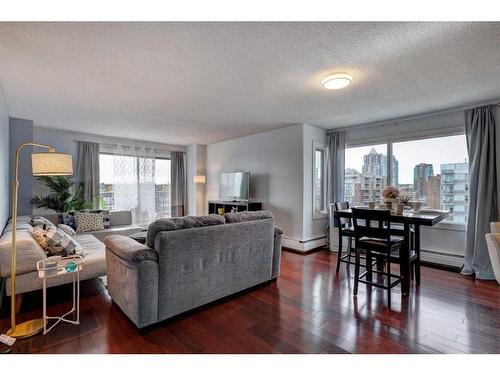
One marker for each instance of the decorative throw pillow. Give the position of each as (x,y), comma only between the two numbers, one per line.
(67,229)
(105,217)
(39,236)
(68,218)
(88,222)
(59,243)
(39,221)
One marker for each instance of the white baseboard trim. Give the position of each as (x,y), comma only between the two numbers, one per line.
(442,258)
(300,245)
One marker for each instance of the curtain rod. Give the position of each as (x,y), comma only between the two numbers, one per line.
(114,145)
(415,117)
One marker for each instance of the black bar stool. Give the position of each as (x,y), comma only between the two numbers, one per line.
(345,230)
(377,242)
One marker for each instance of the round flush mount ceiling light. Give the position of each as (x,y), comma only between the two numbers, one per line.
(336,81)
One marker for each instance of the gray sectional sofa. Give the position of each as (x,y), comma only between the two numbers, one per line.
(188,262)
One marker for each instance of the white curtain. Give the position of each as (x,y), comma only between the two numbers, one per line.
(145,212)
(134,183)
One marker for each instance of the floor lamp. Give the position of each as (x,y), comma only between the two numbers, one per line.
(48,163)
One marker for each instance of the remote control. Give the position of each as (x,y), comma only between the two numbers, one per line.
(7,340)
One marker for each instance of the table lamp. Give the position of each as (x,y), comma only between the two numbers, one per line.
(48,163)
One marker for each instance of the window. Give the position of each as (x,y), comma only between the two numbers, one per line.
(365,173)
(139,184)
(319,180)
(432,170)
(435,172)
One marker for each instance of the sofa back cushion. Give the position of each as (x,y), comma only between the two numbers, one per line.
(177,223)
(238,217)
(28,253)
(200,265)
(117,218)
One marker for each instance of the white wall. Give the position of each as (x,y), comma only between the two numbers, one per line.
(274,160)
(312,228)
(4,161)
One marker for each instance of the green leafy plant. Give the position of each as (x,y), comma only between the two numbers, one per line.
(60,198)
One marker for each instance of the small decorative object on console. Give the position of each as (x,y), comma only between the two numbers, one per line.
(390,195)
(70,266)
(400,208)
(405,199)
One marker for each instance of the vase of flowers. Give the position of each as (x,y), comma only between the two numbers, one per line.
(390,195)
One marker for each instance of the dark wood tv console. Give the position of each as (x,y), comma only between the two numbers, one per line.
(213,206)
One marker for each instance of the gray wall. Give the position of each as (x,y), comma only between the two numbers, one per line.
(21,131)
(274,160)
(4,161)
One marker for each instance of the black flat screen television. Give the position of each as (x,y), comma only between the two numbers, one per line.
(234,186)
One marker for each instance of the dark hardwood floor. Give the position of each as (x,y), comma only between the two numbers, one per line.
(308,310)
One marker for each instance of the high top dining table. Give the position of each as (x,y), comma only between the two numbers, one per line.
(408,218)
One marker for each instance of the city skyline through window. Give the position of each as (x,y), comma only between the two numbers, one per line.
(433,171)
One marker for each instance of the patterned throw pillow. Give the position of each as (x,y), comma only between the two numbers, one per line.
(88,222)
(105,217)
(39,236)
(67,229)
(59,243)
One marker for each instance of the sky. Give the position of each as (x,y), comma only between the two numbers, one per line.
(435,151)
(106,169)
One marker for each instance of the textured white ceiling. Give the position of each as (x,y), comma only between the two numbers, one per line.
(184,83)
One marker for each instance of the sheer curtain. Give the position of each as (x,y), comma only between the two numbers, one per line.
(134,182)
(145,212)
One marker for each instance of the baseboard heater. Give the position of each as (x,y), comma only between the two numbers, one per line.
(304,245)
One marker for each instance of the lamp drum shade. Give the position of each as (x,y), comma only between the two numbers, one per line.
(200,179)
(51,164)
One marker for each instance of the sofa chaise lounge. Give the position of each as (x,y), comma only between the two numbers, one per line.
(29,252)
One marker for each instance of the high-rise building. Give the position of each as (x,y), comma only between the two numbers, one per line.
(360,188)
(376,164)
(433,188)
(421,173)
(455,190)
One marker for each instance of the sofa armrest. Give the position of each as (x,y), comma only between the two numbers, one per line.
(130,250)
(276,252)
(132,273)
(493,242)
(495,227)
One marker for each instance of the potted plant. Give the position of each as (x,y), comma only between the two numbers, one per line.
(60,197)
(390,195)
(405,199)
